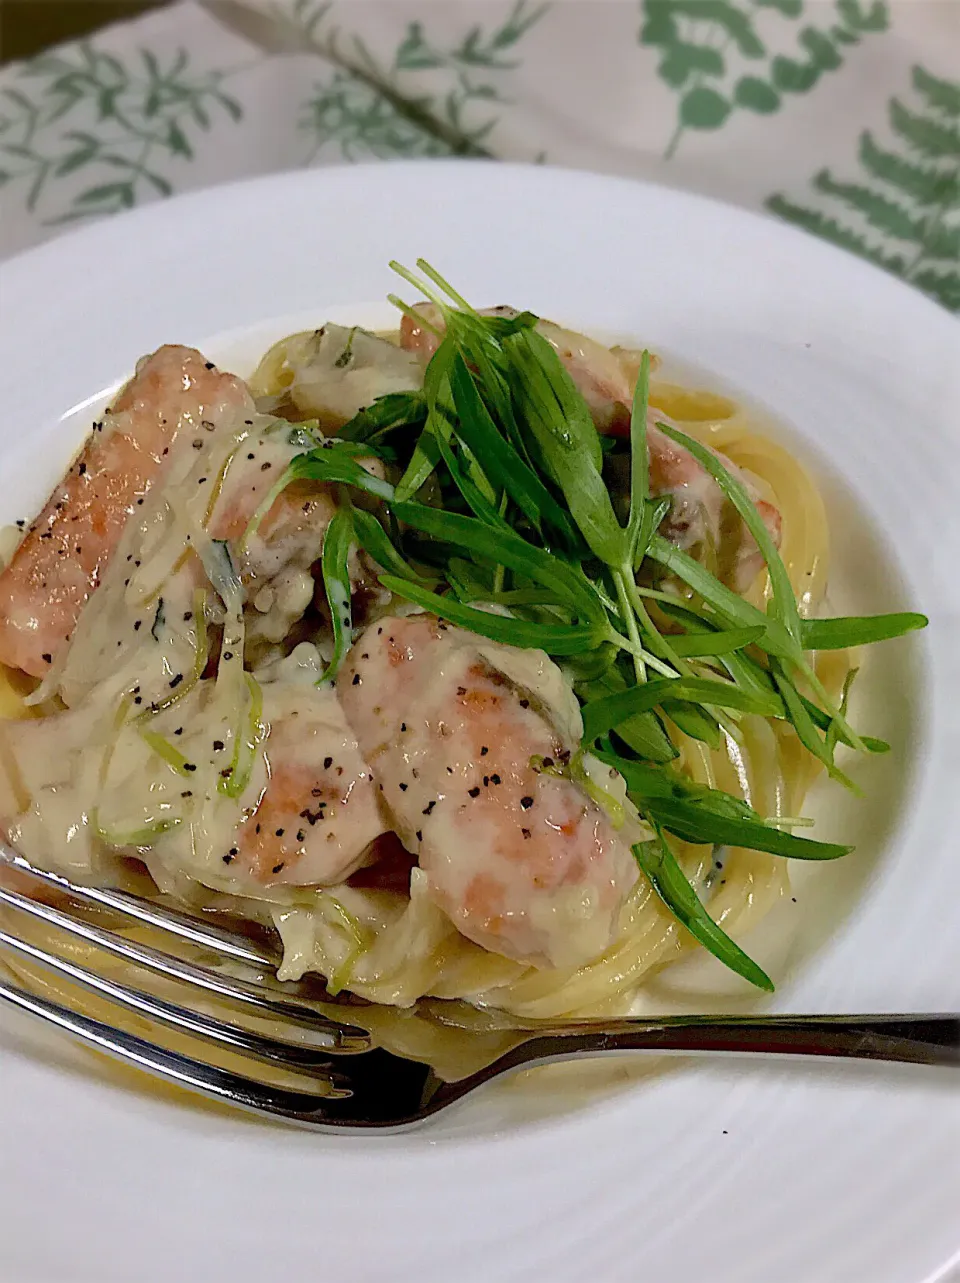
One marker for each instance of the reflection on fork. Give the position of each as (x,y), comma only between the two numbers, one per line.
(224,1028)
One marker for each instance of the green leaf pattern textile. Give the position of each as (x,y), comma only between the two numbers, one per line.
(840,116)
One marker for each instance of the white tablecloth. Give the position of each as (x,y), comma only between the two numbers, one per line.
(842,116)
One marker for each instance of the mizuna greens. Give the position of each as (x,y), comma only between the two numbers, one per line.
(502,523)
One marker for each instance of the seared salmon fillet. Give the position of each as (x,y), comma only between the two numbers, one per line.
(66,550)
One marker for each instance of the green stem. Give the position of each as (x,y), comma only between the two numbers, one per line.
(640,610)
(628,617)
(686,670)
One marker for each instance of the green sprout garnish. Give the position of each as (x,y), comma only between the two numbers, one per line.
(502,523)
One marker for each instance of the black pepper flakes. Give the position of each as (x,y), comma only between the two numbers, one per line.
(208,365)
(81,469)
(278,867)
(189,766)
(526,802)
(494,779)
(218,746)
(279,833)
(475,791)
(419,835)
(484,751)
(356,680)
(327,763)
(524,703)
(526,834)
(47,657)
(404,787)
(428,809)
(175,681)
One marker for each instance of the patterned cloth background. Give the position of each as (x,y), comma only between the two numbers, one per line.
(842,116)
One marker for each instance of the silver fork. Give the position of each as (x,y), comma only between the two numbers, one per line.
(349,1082)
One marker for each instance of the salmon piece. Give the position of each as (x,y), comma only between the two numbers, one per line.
(67,549)
(320,811)
(523,862)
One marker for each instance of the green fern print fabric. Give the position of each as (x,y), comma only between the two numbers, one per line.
(840,116)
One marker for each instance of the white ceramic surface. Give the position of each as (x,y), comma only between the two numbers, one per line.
(732,1173)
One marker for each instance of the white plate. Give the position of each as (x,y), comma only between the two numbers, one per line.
(732,1173)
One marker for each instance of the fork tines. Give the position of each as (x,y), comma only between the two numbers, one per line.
(302,1044)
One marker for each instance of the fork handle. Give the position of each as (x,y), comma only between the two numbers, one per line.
(915,1039)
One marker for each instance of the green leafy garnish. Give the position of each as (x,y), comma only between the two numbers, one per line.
(557,639)
(394,410)
(502,463)
(502,524)
(335,568)
(845,633)
(670,883)
(784,603)
(602,715)
(372,537)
